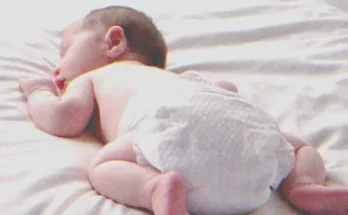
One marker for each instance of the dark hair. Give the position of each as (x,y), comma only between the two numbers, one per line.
(142,35)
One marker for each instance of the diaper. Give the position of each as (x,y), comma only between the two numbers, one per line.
(230,151)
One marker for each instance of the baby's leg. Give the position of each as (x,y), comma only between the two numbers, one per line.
(304,186)
(115,174)
(227,85)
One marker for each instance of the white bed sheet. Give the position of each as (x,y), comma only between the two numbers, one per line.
(289,56)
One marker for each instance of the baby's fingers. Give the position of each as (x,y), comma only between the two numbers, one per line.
(25,86)
(20,84)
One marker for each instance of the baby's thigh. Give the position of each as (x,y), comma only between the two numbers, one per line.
(294,141)
(119,149)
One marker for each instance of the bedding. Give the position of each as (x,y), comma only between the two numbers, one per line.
(289,56)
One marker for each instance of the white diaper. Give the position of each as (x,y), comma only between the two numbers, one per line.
(229,150)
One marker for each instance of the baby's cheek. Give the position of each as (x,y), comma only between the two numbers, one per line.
(93,62)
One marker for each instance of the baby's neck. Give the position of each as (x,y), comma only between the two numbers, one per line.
(130,62)
(132,58)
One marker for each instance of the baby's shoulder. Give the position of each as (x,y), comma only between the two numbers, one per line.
(131,72)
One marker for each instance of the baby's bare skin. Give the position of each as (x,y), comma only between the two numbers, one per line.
(113,86)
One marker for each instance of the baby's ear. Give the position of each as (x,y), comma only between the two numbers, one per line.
(117,42)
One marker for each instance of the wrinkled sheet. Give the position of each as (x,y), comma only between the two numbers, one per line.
(289,56)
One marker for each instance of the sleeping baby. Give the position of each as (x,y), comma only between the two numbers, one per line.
(174,144)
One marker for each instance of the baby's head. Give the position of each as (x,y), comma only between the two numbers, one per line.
(107,35)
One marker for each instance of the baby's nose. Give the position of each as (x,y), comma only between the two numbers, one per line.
(56,72)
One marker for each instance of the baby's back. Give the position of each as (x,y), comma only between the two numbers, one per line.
(115,84)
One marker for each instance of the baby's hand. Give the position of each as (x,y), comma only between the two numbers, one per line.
(27,86)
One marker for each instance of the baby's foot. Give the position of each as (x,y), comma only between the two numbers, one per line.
(321,200)
(169,195)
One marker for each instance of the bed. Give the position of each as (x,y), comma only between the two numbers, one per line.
(289,56)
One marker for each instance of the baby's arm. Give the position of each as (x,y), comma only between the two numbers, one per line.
(65,116)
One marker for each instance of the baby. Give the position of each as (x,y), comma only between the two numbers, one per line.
(111,78)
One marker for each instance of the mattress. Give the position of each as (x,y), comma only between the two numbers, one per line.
(289,56)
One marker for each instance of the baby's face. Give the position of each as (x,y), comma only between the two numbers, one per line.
(81,51)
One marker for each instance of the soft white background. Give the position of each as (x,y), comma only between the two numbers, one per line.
(289,56)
